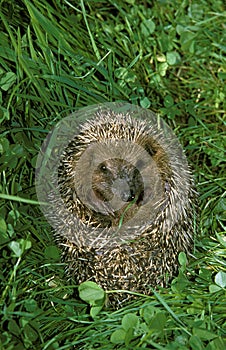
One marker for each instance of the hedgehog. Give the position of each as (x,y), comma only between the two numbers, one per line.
(126,202)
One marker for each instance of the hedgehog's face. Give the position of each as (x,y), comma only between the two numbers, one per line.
(117,181)
(112,181)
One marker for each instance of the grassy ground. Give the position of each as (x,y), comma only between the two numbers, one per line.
(58,56)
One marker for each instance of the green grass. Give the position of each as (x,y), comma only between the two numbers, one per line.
(58,56)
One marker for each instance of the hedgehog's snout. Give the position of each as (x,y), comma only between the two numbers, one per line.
(128,184)
(122,189)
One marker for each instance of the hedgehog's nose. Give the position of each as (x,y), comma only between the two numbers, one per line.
(121,189)
(127,196)
(131,196)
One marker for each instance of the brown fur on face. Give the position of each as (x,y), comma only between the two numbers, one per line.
(117,183)
(117,177)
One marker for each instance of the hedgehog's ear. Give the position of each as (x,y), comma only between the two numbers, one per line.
(140,164)
(150,145)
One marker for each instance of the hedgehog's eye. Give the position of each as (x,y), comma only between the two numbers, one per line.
(103,168)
